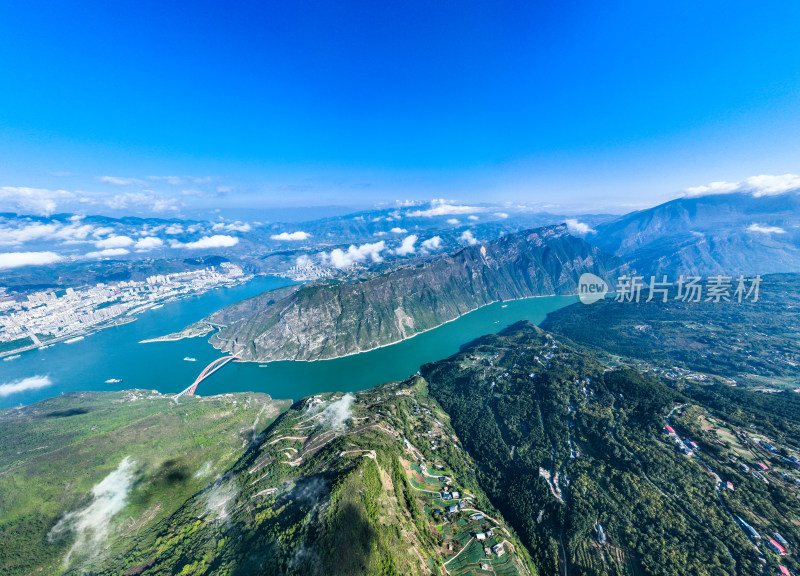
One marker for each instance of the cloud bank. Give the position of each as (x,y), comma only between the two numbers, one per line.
(291,236)
(148,243)
(407,246)
(765,229)
(468,238)
(339,412)
(91,525)
(115,242)
(54,231)
(24,385)
(108,252)
(341,259)
(578,228)
(232,227)
(219,498)
(17,259)
(441,207)
(764,185)
(432,243)
(206,242)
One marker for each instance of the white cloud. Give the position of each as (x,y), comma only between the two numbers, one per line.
(398,230)
(216,241)
(172,180)
(45,202)
(91,525)
(501,215)
(763,185)
(467,237)
(291,236)
(219,498)
(34,231)
(453,221)
(174,229)
(442,207)
(576,227)
(108,252)
(103,231)
(25,384)
(74,232)
(302,261)
(473,218)
(232,227)
(148,243)
(146,199)
(17,259)
(407,246)
(36,200)
(116,181)
(339,412)
(27,233)
(198,193)
(341,259)
(432,243)
(712,188)
(115,242)
(765,229)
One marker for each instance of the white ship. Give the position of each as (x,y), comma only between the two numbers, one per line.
(9,358)
(190,359)
(113,381)
(76,339)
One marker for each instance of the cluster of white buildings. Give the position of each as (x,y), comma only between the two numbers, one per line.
(304,272)
(52,314)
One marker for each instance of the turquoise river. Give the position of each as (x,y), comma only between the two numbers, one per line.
(116,353)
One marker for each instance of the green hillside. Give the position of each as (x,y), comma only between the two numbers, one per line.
(564,443)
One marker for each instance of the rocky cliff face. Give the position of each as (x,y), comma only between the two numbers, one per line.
(332,320)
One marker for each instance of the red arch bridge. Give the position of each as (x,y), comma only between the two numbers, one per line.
(207,371)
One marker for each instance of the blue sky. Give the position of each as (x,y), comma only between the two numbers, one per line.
(591,105)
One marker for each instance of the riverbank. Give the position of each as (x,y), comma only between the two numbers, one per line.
(503,303)
(196,330)
(79,334)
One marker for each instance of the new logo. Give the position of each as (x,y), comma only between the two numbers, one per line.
(591,288)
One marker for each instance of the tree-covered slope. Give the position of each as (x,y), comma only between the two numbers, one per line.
(566,445)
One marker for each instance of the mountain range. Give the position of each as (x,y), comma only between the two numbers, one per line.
(330,320)
(730,234)
(524,454)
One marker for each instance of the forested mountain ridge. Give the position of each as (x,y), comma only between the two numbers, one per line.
(611,470)
(331,320)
